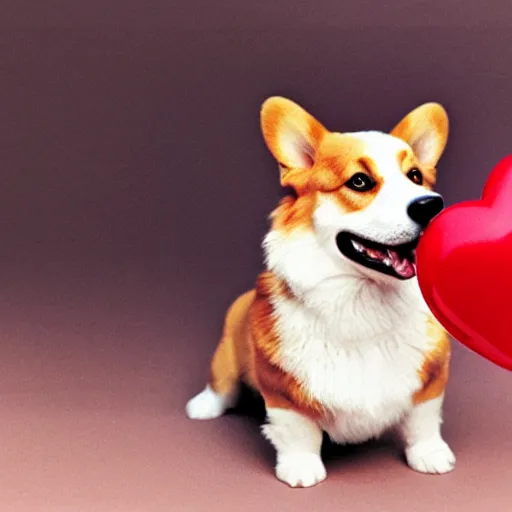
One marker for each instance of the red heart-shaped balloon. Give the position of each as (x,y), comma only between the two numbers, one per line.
(464,264)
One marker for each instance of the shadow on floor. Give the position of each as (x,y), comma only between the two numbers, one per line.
(251,407)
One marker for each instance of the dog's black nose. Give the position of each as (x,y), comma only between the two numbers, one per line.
(424,209)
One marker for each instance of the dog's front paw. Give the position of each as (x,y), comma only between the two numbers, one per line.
(432,457)
(300,469)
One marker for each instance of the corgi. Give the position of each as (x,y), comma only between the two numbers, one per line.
(336,336)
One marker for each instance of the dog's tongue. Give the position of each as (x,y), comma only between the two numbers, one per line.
(402,266)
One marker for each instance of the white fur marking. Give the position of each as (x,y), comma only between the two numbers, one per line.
(355,344)
(426,451)
(297,440)
(300,469)
(208,405)
(356,348)
(433,457)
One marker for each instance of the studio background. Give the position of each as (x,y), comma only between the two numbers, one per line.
(134,193)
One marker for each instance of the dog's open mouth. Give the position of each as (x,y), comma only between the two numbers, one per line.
(394,260)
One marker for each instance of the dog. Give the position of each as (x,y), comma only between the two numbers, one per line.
(335,336)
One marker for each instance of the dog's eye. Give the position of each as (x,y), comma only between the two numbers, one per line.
(360,182)
(415,176)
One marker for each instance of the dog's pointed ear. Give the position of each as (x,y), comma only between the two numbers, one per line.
(425,129)
(291,134)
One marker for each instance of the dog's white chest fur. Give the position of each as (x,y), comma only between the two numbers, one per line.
(356,346)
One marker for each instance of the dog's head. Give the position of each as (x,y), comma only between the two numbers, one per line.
(366,196)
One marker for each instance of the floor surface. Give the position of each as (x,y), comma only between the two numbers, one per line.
(95,375)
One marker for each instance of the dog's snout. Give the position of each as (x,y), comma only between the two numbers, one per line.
(424,209)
